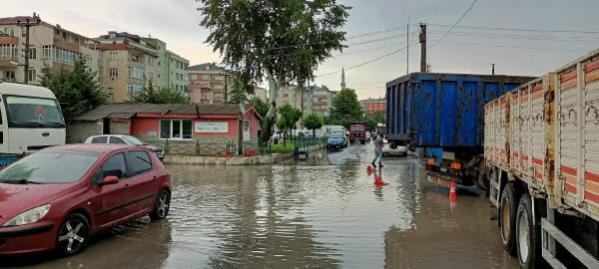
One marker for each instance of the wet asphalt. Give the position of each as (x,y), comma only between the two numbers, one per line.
(321,213)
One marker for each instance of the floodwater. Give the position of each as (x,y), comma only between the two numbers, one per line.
(326,213)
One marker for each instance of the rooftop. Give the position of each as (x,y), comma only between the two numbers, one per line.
(126,111)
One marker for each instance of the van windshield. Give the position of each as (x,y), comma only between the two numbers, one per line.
(33,112)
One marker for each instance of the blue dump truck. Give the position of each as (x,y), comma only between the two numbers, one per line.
(442,114)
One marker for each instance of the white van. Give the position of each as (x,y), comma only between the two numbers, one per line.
(30,119)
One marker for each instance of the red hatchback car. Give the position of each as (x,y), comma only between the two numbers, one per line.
(58,197)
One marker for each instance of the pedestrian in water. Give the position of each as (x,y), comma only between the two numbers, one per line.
(378,151)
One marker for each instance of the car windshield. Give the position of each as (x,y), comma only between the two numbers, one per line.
(49,167)
(133,140)
(357,128)
(33,112)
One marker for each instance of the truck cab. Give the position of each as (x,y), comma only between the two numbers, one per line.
(357,132)
(30,120)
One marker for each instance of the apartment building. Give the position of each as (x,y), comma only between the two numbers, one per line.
(371,105)
(50,44)
(321,100)
(209,83)
(131,63)
(261,93)
(177,72)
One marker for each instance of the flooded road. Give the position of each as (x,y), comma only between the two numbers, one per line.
(323,214)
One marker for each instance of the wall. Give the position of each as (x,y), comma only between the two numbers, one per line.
(77,132)
(119,126)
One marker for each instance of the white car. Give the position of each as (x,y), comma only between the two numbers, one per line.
(124,140)
(388,150)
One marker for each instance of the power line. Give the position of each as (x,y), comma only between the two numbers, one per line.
(514,47)
(518,29)
(363,64)
(521,37)
(393,29)
(456,23)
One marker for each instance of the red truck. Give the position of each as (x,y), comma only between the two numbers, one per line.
(357,131)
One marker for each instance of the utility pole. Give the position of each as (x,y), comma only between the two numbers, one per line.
(28,23)
(492,69)
(423,48)
(408,49)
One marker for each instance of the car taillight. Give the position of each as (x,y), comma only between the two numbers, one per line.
(456,166)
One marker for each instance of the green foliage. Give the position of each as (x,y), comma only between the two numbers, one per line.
(375,118)
(242,85)
(77,91)
(289,116)
(281,40)
(313,122)
(283,148)
(346,108)
(159,96)
(259,105)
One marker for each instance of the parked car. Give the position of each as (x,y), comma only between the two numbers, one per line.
(123,140)
(336,141)
(394,150)
(58,197)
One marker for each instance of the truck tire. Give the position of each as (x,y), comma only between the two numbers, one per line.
(528,235)
(507,218)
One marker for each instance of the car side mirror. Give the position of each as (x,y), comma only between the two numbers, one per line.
(109,180)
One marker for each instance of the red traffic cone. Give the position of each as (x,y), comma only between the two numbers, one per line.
(453,196)
(369,170)
(378,181)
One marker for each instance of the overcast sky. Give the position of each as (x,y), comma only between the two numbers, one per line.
(465,50)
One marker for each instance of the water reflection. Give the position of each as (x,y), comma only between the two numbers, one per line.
(323,214)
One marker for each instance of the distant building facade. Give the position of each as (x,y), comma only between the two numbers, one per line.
(321,100)
(130,63)
(50,44)
(371,106)
(261,93)
(209,83)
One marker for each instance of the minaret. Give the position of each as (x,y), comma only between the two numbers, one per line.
(343,78)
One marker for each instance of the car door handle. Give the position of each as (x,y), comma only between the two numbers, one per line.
(126,185)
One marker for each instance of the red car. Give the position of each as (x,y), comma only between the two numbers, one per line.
(58,197)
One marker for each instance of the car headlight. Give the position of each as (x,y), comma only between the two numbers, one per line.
(30,216)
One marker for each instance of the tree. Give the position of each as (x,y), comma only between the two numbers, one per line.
(259,105)
(313,122)
(376,118)
(289,116)
(77,91)
(159,96)
(346,108)
(283,41)
(242,85)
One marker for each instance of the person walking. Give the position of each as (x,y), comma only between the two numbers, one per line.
(378,151)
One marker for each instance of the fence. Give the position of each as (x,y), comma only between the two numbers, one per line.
(216,149)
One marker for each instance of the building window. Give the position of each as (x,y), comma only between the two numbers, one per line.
(51,53)
(32,53)
(114,56)
(8,52)
(110,95)
(137,72)
(194,77)
(31,75)
(9,31)
(175,129)
(114,72)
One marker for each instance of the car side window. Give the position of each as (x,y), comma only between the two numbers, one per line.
(116,140)
(138,162)
(99,140)
(115,166)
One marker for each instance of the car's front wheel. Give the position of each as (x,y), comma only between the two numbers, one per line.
(73,234)
(162,205)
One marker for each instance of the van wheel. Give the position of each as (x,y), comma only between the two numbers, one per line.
(528,235)
(507,218)
(162,205)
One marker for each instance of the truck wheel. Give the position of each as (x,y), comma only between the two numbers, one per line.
(507,218)
(528,235)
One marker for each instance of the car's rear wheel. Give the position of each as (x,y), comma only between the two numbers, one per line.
(162,205)
(73,234)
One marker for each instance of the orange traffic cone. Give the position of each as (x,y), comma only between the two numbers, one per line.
(369,170)
(453,196)
(378,182)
